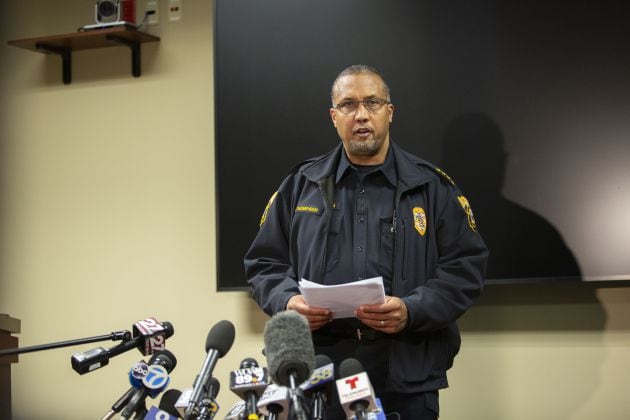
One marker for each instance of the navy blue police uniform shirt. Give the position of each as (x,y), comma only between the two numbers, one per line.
(361,244)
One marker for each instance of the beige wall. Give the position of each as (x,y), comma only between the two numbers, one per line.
(107,216)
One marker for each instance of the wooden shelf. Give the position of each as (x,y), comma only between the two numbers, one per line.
(64,45)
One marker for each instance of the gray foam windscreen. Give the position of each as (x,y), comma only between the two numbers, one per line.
(289,348)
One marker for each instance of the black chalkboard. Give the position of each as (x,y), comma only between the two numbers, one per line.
(525,104)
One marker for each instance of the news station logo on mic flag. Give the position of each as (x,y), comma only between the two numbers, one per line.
(156,378)
(354,388)
(274,400)
(151,329)
(248,377)
(320,375)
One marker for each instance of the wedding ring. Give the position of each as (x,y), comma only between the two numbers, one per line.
(382,323)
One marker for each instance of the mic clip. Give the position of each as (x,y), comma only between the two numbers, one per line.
(123,335)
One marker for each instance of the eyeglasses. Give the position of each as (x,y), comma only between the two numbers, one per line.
(371,104)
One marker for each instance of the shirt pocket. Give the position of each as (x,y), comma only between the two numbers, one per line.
(386,251)
(333,242)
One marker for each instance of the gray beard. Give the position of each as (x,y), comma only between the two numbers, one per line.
(363,148)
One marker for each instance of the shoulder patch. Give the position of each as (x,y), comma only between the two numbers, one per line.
(469,213)
(269,203)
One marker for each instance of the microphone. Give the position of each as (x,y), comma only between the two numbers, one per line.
(249,382)
(208,402)
(149,336)
(155,381)
(138,371)
(119,404)
(318,387)
(290,354)
(355,390)
(166,409)
(155,413)
(168,400)
(209,405)
(274,402)
(219,341)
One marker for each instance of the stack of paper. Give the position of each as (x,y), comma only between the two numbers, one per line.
(343,299)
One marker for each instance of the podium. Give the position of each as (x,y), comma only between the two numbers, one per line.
(8,326)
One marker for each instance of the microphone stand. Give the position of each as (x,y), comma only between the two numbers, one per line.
(319,402)
(114,336)
(120,404)
(297,400)
(208,409)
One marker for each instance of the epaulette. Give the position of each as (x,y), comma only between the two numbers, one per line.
(444,175)
(437,170)
(463,201)
(297,167)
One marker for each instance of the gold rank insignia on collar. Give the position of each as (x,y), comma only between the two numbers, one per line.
(420,220)
(469,213)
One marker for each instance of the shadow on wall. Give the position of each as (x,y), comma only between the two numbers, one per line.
(522,244)
(525,246)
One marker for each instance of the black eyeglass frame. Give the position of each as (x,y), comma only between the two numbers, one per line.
(374,108)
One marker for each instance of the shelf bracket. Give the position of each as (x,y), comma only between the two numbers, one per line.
(66,60)
(135,52)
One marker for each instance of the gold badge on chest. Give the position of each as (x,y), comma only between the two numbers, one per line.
(420,220)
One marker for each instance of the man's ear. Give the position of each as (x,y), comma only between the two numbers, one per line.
(333,116)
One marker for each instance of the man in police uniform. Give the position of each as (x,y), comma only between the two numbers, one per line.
(369,209)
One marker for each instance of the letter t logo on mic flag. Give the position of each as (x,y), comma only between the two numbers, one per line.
(355,388)
(352,382)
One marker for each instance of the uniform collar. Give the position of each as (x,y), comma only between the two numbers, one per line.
(408,167)
(388,168)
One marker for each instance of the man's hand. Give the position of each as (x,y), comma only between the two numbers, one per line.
(316,317)
(390,317)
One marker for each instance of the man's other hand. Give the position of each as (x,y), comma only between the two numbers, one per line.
(389,317)
(316,317)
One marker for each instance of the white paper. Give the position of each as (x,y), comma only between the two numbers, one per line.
(343,299)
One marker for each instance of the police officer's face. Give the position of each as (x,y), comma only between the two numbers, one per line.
(365,134)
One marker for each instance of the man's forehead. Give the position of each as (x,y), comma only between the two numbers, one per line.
(351,84)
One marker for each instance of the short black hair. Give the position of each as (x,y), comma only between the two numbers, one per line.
(358,69)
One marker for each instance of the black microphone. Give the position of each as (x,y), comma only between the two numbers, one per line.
(355,390)
(137,372)
(319,385)
(208,405)
(120,403)
(166,410)
(290,354)
(219,341)
(168,400)
(249,382)
(274,403)
(155,381)
(149,336)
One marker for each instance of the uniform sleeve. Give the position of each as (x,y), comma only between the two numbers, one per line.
(461,266)
(267,262)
